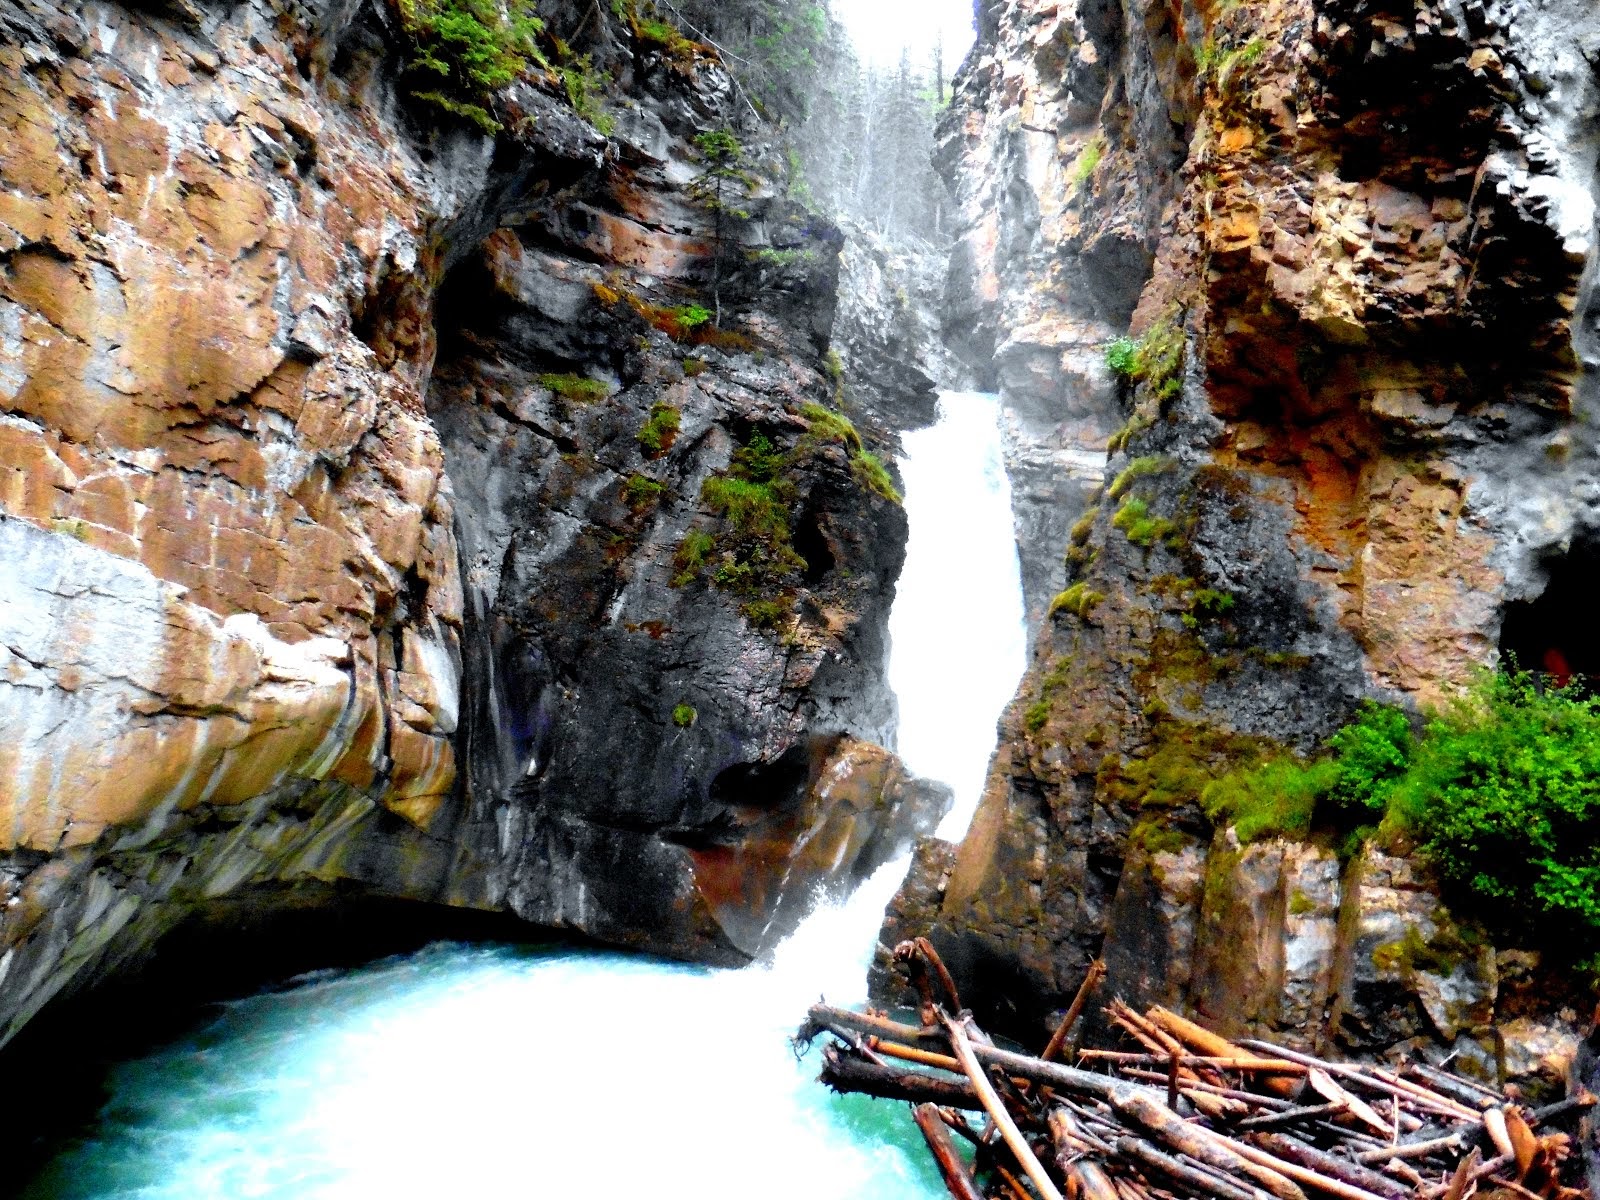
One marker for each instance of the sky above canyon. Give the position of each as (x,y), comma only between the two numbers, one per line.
(881,27)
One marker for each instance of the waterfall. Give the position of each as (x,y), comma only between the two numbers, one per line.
(489,1072)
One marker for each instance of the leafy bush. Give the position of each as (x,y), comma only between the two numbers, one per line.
(1373,752)
(1503,790)
(466,49)
(661,427)
(1501,793)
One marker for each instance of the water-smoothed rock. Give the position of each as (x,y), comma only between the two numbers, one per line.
(334,559)
(1352,245)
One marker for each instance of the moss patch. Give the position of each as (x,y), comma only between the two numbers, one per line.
(1139,525)
(1080,600)
(578,388)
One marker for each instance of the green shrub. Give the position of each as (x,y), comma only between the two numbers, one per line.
(758,559)
(693,368)
(765,614)
(691,317)
(829,426)
(656,435)
(1373,753)
(1503,791)
(461,51)
(641,492)
(577,388)
(1037,715)
(683,715)
(1213,602)
(693,552)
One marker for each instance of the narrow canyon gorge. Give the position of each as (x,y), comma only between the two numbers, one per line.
(478,506)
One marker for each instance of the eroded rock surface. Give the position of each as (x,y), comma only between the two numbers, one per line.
(332,552)
(1361,240)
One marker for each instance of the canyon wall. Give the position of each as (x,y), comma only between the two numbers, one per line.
(384,510)
(1355,243)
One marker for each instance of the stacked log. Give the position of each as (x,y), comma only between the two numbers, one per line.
(1186,1113)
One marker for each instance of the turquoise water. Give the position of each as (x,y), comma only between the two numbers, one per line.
(488,1072)
(479,1072)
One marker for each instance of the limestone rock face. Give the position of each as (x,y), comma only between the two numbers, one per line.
(321,567)
(1354,242)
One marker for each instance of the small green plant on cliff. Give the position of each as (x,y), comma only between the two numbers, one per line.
(1503,791)
(1500,794)
(1088,160)
(1139,468)
(1156,359)
(577,388)
(585,88)
(683,715)
(1275,799)
(693,552)
(829,426)
(1080,600)
(462,51)
(660,428)
(865,467)
(755,556)
(641,492)
(868,470)
(1139,525)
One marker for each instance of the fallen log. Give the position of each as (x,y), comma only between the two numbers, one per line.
(1018,1145)
(847,1073)
(952,1167)
(1207,1182)
(1353,1174)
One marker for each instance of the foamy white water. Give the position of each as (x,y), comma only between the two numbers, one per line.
(958,627)
(495,1072)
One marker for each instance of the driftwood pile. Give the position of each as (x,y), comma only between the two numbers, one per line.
(1191,1114)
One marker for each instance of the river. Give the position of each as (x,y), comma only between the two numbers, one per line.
(478,1072)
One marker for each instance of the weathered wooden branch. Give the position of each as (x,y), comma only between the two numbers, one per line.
(952,1167)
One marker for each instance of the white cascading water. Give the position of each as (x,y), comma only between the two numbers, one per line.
(491,1072)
